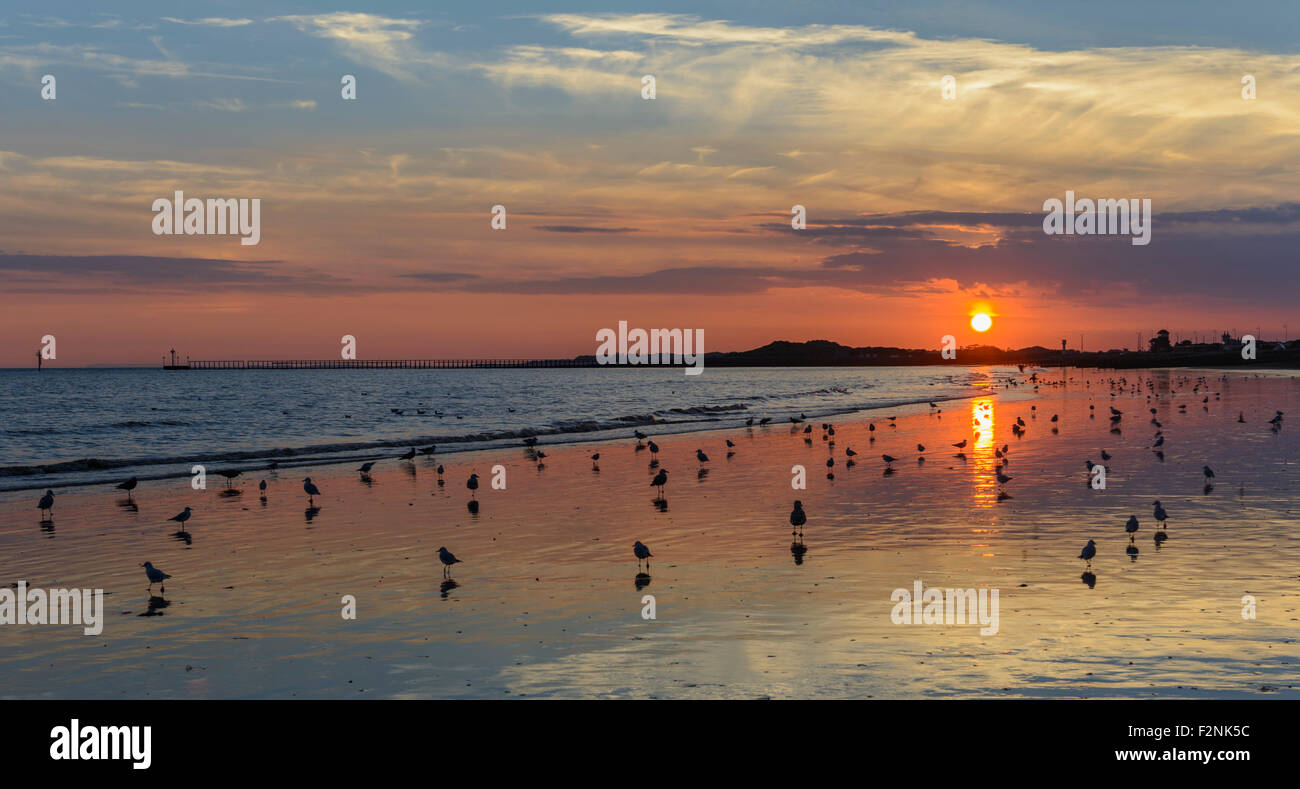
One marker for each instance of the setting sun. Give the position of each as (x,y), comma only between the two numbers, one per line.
(981,321)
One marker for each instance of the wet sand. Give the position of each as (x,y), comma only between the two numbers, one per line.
(546,601)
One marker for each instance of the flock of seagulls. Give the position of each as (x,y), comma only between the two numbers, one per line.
(798,517)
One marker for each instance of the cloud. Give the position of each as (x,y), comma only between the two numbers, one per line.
(584,229)
(211,21)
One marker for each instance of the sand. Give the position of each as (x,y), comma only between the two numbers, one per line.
(547,600)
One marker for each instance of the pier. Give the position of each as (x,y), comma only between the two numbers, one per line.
(374,364)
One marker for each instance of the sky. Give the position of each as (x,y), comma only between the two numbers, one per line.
(672,212)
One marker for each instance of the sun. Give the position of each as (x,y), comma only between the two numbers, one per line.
(981,322)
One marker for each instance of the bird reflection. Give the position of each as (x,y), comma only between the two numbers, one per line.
(472,506)
(797,550)
(702,473)
(366,480)
(128,504)
(641,581)
(47,527)
(1209,487)
(183,536)
(228,492)
(661,504)
(1089,579)
(446,587)
(156,606)
(311,512)
(1160,538)
(1132,551)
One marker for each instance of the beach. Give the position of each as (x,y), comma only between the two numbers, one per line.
(547,602)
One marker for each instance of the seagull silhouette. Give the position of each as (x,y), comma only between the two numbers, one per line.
(155,575)
(448,559)
(642,554)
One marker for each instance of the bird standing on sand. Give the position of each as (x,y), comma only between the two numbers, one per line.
(155,575)
(365,467)
(310,489)
(920,447)
(181,517)
(410,453)
(47,502)
(1089,551)
(660,480)
(128,486)
(472,484)
(262,486)
(654,448)
(642,554)
(798,519)
(700,456)
(888,459)
(1131,527)
(448,559)
(1208,472)
(1160,514)
(1003,478)
(961,444)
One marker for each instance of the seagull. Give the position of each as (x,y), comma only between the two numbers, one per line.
(1003,478)
(472,484)
(595,457)
(849,452)
(310,488)
(128,486)
(1160,514)
(262,486)
(764,421)
(961,444)
(641,435)
(365,467)
(700,456)
(660,480)
(654,448)
(642,554)
(730,444)
(1208,472)
(448,559)
(181,517)
(1105,455)
(47,502)
(888,459)
(1131,527)
(229,474)
(797,518)
(439,470)
(156,576)
(1089,551)
(920,447)
(429,449)
(1055,418)
(1159,442)
(408,455)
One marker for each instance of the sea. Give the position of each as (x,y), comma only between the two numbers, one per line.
(71,427)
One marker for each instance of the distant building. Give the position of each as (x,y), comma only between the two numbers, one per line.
(1160,342)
